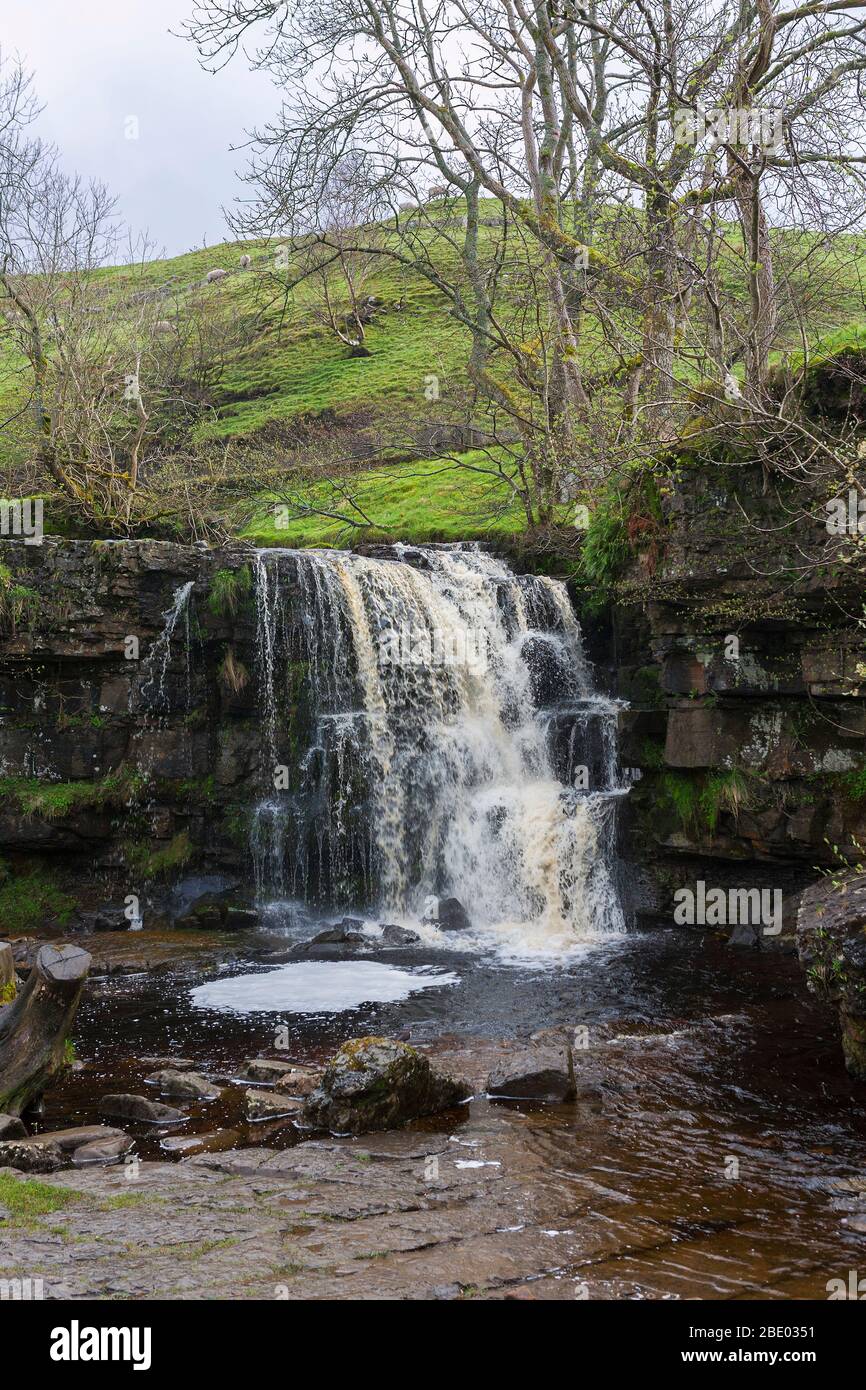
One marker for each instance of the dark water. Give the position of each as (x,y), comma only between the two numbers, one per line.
(746,1040)
(727,1115)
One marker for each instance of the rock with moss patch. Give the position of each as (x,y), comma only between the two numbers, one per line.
(376,1083)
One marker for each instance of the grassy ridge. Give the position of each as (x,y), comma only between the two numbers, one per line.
(289,368)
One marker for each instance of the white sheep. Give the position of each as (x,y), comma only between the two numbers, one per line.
(214,275)
(164,326)
(245,262)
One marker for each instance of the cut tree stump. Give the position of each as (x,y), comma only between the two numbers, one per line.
(35,1027)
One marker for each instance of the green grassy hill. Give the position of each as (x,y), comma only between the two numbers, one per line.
(284,374)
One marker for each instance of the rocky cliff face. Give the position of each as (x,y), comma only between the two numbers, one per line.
(747,721)
(128,735)
(831,941)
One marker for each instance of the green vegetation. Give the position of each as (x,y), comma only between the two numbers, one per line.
(32,796)
(152,863)
(723,791)
(433,500)
(229,589)
(695,799)
(18,604)
(29,898)
(26,1198)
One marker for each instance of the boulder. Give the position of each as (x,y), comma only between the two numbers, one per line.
(183,1085)
(264,1069)
(130,1107)
(377,1083)
(340,935)
(453,915)
(32,1156)
(398,936)
(11,1127)
(544,1073)
(70,1140)
(285,1077)
(111,917)
(269,1105)
(102,1152)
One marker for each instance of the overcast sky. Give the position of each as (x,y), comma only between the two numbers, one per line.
(99,63)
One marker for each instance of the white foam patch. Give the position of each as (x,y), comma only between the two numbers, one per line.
(316,987)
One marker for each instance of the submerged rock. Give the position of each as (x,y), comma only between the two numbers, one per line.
(376,1083)
(183,1085)
(212,1142)
(287,1077)
(543,1073)
(130,1107)
(393,935)
(102,1152)
(270,1105)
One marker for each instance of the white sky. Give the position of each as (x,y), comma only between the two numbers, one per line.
(99,62)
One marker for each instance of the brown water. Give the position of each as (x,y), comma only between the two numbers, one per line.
(703,1163)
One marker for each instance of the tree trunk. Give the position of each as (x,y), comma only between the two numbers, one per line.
(34,1028)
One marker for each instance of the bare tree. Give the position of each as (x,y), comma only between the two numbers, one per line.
(587,134)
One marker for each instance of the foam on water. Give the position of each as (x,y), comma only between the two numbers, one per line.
(316,987)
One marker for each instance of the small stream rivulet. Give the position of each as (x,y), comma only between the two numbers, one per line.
(430,728)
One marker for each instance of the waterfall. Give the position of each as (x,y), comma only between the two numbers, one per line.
(154,669)
(430,727)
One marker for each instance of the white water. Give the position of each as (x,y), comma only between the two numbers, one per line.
(441,774)
(316,987)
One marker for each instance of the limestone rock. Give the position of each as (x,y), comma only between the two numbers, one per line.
(183,1085)
(376,1083)
(130,1107)
(269,1105)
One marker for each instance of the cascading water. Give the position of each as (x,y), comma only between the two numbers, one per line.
(430,728)
(152,691)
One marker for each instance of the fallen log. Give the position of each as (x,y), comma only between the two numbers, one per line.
(35,1027)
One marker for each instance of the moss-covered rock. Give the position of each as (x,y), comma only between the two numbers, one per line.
(375,1083)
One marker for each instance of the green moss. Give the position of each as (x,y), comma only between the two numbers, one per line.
(7,992)
(683,794)
(652,754)
(152,863)
(56,800)
(854,784)
(30,898)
